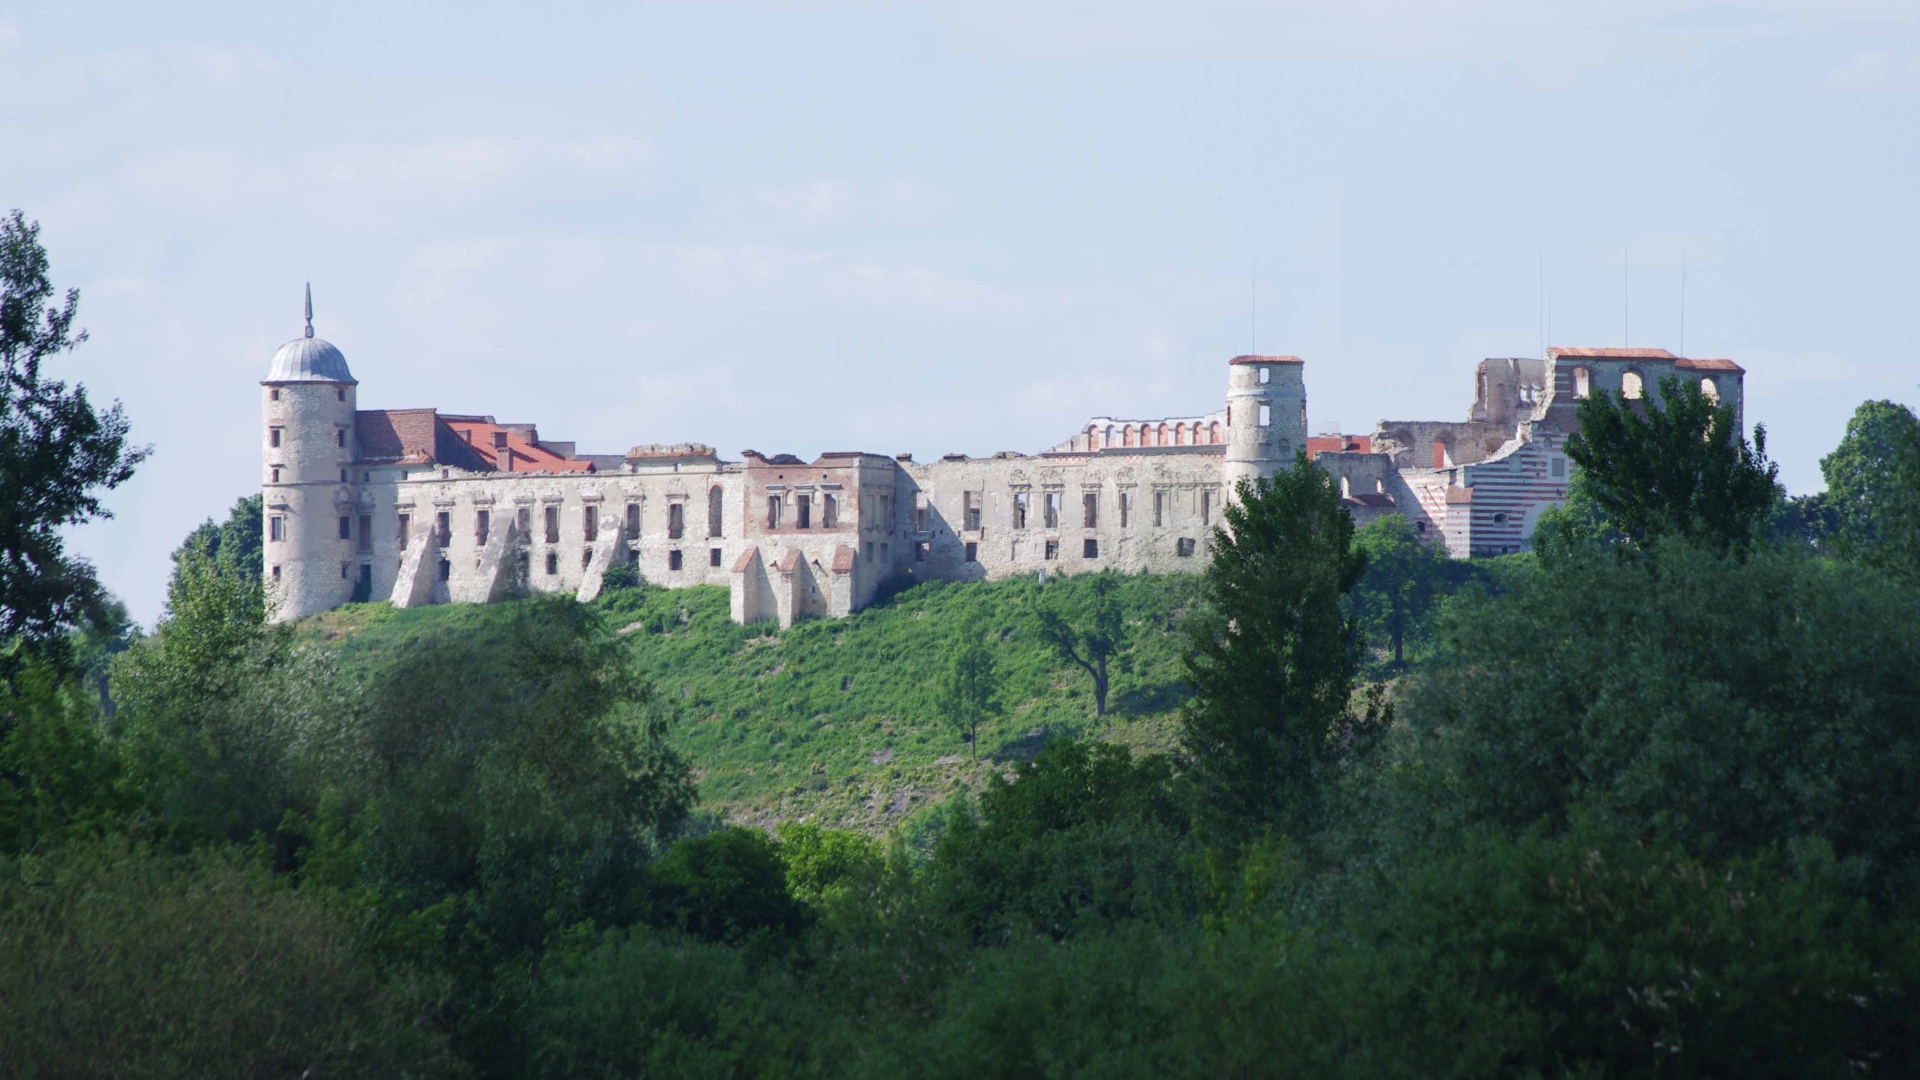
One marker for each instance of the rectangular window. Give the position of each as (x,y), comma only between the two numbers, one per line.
(482,520)
(553,526)
(273,394)
(633,558)
(1559,466)
(716,500)
(633,521)
(443,526)
(1266,416)
(366,576)
(972,511)
(922,513)
(673,559)
(802,511)
(1019,509)
(830,511)
(1159,509)
(973,552)
(276,571)
(523,523)
(773,511)
(1090,509)
(1126,509)
(1090,548)
(366,532)
(346,528)
(920,550)
(1053,549)
(446,570)
(590,523)
(1206,508)
(343,571)
(586,558)
(883,553)
(400,534)
(869,551)
(340,437)
(1053,510)
(676,520)
(1183,547)
(273,436)
(277,527)
(276,476)
(713,556)
(553,563)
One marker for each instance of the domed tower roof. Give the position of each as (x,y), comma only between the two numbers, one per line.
(308,358)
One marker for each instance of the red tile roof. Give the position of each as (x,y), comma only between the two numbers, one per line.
(789,561)
(1459,495)
(1266,360)
(1617,354)
(842,559)
(1692,364)
(404,435)
(746,560)
(1338,444)
(520,454)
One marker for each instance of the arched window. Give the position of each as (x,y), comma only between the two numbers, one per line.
(1214,435)
(1709,391)
(1162,440)
(1631,386)
(1180,435)
(1582,382)
(1109,438)
(1126,435)
(1346,488)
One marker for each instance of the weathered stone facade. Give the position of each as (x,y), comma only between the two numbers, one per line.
(422,507)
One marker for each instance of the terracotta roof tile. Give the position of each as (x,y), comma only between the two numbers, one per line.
(789,561)
(1616,354)
(1459,495)
(1692,364)
(1266,360)
(1338,444)
(842,559)
(395,434)
(746,560)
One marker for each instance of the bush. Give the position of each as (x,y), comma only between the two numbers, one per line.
(726,886)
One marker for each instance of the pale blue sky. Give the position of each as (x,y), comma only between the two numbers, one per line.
(959,227)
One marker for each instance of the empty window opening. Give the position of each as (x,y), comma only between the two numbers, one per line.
(276,528)
(922,513)
(1214,434)
(346,528)
(1090,548)
(1420,527)
(340,437)
(499,440)
(773,511)
(716,500)
(633,557)
(446,570)
(273,394)
(973,552)
(553,524)
(1500,518)
(971,509)
(1159,509)
(366,575)
(920,550)
(586,558)
(523,520)
(366,532)
(1126,509)
(1053,510)
(803,511)
(676,520)
(400,533)
(274,436)
(1266,416)
(1559,467)
(1019,509)
(830,511)
(869,551)
(1439,455)
(1631,386)
(1265,374)
(276,571)
(1090,509)
(590,523)
(1162,439)
(339,393)
(482,523)
(1206,508)
(443,528)
(713,556)
(1053,549)
(553,563)
(1183,547)
(276,475)
(883,553)
(343,571)
(673,559)
(633,521)
(343,476)
(1709,391)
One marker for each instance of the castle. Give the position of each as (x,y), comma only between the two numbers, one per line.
(423,507)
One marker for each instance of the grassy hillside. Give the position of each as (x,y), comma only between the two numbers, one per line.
(833,719)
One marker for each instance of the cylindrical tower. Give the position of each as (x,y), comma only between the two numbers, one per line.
(313,543)
(1266,416)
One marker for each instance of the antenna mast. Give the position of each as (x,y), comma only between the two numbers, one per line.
(1626,336)
(1683,303)
(309,309)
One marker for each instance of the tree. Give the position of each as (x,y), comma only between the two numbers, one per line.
(1677,463)
(58,455)
(235,542)
(968,692)
(1086,628)
(1269,663)
(1873,488)
(1400,585)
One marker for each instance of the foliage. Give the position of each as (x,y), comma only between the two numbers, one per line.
(121,962)
(968,693)
(1087,630)
(1269,661)
(59,778)
(1734,705)
(1676,463)
(1404,580)
(1873,489)
(234,545)
(727,886)
(822,862)
(58,455)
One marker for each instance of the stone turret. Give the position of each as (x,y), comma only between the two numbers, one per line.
(312,524)
(1266,416)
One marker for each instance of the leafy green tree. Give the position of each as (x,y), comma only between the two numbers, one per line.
(1676,463)
(1873,488)
(58,455)
(727,886)
(59,778)
(234,544)
(1400,586)
(968,694)
(1086,627)
(821,861)
(1269,662)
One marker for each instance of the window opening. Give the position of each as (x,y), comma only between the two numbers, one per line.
(339,393)
(1183,547)
(673,559)
(1631,386)
(1053,549)
(1265,374)
(276,571)
(1206,508)
(443,526)
(553,524)
(481,521)
(1019,509)
(973,552)
(1053,510)
(1126,509)
(273,394)
(553,563)
(773,511)
(276,528)
(830,511)
(1090,548)
(713,556)
(273,436)
(1709,391)
(920,550)
(400,534)
(971,509)
(1559,467)
(586,558)
(1159,509)
(922,514)
(802,511)
(276,476)
(1090,509)
(523,518)
(1266,416)
(366,532)
(590,523)
(676,520)
(633,521)
(446,570)
(343,571)
(346,528)
(343,476)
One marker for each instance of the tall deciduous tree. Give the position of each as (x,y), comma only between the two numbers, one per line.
(1087,629)
(1873,488)
(1398,590)
(968,693)
(1269,663)
(58,454)
(1675,464)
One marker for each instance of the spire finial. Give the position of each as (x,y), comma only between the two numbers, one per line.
(309,309)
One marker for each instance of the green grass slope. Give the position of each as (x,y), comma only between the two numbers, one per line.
(833,720)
